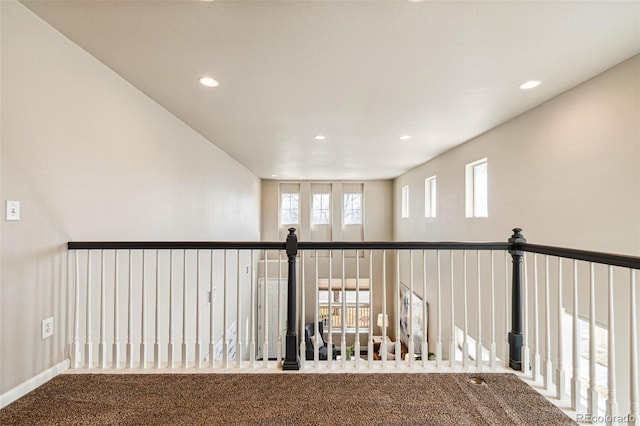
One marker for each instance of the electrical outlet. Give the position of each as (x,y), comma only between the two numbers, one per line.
(47,327)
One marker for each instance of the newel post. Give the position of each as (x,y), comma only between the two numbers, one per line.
(291,359)
(515,335)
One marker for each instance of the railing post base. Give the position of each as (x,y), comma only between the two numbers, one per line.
(515,351)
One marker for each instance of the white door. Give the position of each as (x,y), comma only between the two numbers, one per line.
(272,310)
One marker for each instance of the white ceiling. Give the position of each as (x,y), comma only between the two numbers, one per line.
(362,73)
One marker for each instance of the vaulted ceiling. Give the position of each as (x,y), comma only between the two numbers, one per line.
(360,73)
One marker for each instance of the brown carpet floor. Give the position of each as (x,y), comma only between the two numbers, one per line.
(284,399)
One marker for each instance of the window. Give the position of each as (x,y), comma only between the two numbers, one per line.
(321,209)
(405,201)
(477,191)
(289,208)
(356,305)
(352,209)
(430,197)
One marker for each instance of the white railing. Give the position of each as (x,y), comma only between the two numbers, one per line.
(226,306)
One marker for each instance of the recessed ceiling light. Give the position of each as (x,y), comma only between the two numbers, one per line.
(530,84)
(319,137)
(405,137)
(274,175)
(208,81)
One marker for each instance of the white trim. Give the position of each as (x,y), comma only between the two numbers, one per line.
(34,382)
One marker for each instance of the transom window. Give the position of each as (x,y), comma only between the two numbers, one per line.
(321,209)
(352,209)
(405,201)
(430,197)
(289,208)
(477,189)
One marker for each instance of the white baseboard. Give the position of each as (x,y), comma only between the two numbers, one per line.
(26,387)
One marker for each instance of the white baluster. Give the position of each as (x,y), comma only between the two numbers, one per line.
(330,330)
(560,373)
(425,315)
(492,346)
(452,340)
(398,298)
(198,346)
(370,343)
(576,403)
(592,393)
(612,404)
(170,344)
(384,309)
(548,368)
(88,344)
(507,318)
(252,347)
(343,322)
(633,345)
(102,346)
(535,370)
(156,343)
(525,329)
(411,342)
(225,340)
(184,309)
(212,335)
(75,347)
(439,308)
(465,343)
(303,337)
(239,313)
(316,331)
(130,315)
(115,349)
(357,336)
(279,315)
(479,307)
(143,319)
(265,305)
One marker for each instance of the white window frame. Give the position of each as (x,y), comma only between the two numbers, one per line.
(283,204)
(320,209)
(348,212)
(405,202)
(430,197)
(475,189)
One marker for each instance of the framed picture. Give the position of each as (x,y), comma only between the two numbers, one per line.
(411,306)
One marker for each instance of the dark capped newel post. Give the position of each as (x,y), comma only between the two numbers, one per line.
(515,336)
(291,359)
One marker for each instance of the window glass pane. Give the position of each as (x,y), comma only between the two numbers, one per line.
(352,209)
(289,209)
(430,197)
(433,197)
(405,201)
(321,209)
(480,205)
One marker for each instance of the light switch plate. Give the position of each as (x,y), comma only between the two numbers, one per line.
(13,210)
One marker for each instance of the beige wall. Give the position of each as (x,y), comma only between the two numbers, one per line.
(91,158)
(567,172)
